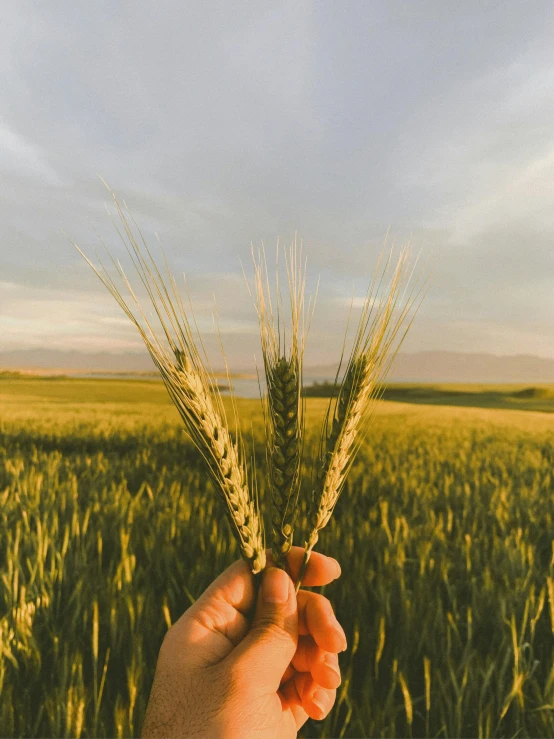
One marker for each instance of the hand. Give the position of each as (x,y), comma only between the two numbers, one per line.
(245,664)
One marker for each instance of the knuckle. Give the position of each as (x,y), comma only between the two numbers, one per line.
(324,603)
(172,638)
(267,629)
(167,642)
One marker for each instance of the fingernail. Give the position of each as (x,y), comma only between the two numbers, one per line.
(338,569)
(321,699)
(275,586)
(330,661)
(339,631)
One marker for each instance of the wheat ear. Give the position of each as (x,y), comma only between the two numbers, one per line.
(191,387)
(283,401)
(378,338)
(285,453)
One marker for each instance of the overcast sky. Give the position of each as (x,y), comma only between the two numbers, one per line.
(227,123)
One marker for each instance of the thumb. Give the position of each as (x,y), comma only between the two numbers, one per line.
(269,646)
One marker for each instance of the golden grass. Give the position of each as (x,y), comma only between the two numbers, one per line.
(109,529)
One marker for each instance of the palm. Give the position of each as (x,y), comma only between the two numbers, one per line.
(243,673)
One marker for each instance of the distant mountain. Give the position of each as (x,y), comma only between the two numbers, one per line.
(462,367)
(409,367)
(56,359)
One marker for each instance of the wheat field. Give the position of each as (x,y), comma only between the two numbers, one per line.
(110,528)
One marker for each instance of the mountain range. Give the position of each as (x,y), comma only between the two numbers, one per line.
(430,366)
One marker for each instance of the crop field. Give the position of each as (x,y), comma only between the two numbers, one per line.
(109,529)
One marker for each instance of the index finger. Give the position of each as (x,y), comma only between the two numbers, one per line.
(235,586)
(317,618)
(321,569)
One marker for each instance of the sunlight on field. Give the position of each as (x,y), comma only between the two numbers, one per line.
(110,530)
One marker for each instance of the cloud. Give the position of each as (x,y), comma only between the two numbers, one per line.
(356,301)
(22,157)
(112,321)
(223,125)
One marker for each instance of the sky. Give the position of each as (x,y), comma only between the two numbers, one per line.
(223,125)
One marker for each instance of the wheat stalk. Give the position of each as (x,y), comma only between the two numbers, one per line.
(192,389)
(384,313)
(283,401)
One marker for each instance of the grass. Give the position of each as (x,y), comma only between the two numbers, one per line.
(152,392)
(109,529)
(86,392)
(506,396)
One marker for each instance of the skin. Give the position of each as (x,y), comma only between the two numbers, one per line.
(245,662)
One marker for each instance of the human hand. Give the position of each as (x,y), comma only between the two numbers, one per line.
(241,663)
